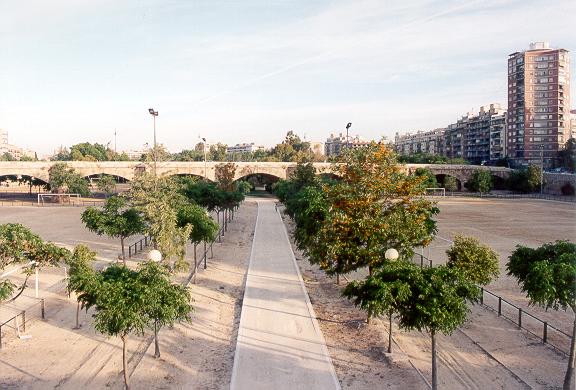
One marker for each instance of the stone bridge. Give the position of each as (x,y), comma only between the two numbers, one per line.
(280,170)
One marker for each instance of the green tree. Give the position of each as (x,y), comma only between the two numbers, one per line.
(82,279)
(375,206)
(534,177)
(429,177)
(217,152)
(382,293)
(438,303)
(481,181)
(20,246)
(64,179)
(548,277)
(115,219)
(165,303)
(106,184)
(120,302)
(203,227)
(479,263)
(158,199)
(567,156)
(7,157)
(450,183)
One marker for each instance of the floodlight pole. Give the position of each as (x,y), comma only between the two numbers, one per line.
(347,137)
(205,172)
(154,115)
(541,168)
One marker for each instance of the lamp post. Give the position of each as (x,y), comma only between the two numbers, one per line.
(347,139)
(205,173)
(154,115)
(155,255)
(541,167)
(391,254)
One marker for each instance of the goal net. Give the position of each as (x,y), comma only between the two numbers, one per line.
(57,198)
(435,191)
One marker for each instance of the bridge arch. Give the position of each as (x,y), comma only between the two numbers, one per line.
(117,178)
(441,179)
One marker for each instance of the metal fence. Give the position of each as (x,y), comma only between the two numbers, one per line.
(549,334)
(18,322)
(560,198)
(28,203)
(139,246)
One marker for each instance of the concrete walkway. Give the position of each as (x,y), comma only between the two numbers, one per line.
(280,345)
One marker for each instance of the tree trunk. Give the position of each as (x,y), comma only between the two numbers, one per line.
(434,372)
(156,345)
(569,378)
(77,315)
(338,279)
(390,332)
(123,252)
(125,362)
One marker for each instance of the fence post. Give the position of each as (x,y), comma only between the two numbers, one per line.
(545,335)
(23,320)
(130,251)
(481,295)
(499,306)
(205,254)
(42,309)
(520,317)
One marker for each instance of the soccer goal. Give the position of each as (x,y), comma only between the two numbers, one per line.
(435,191)
(56,198)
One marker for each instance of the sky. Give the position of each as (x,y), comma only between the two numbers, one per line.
(248,71)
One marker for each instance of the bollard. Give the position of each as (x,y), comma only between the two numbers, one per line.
(43,309)
(481,295)
(23,321)
(545,335)
(499,306)
(520,317)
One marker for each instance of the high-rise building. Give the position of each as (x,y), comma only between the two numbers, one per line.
(477,138)
(538,104)
(573,124)
(428,142)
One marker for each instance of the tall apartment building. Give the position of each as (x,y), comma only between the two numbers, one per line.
(429,142)
(477,138)
(573,124)
(538,104)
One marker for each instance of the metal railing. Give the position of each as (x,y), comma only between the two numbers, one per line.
(524,320)
(27,203)
(19,320)
(549,334)
(559,198)
(139,246)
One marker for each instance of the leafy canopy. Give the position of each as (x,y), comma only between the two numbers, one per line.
(479,263)
(546,274)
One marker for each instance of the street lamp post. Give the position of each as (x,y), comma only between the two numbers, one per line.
(154,115)
(391,254)
(541,168)
(205,173)
(348,139)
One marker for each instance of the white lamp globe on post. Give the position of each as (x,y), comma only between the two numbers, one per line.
(391,254)
(155,255)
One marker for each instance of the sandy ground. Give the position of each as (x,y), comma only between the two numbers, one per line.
(488,352)
(194,355)
(503,224)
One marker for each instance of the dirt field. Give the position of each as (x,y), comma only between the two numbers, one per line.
(196,355)
(487,353)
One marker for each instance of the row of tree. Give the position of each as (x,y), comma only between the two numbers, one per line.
(350,224)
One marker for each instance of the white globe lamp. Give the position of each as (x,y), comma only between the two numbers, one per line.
(391,254)
(155,255)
